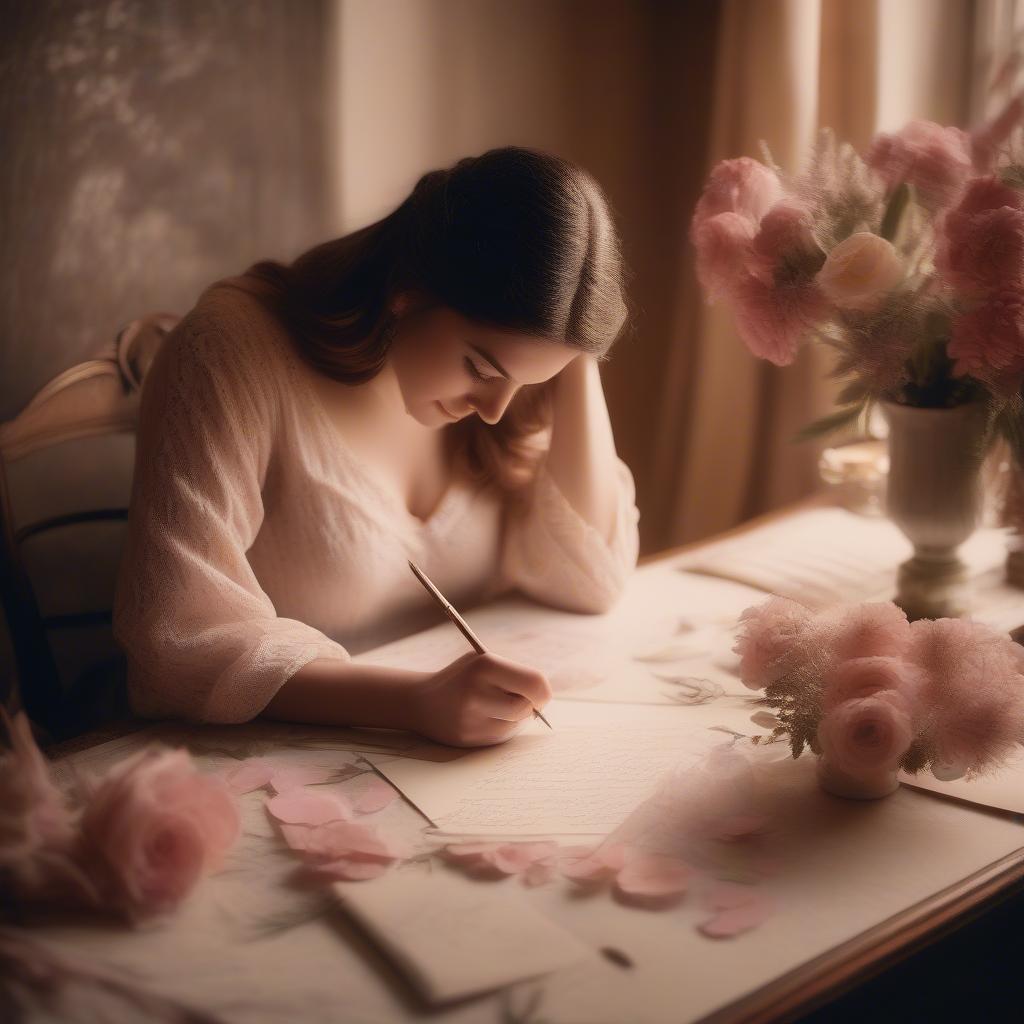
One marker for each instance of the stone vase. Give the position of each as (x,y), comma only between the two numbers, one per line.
(934,495)
(852,787)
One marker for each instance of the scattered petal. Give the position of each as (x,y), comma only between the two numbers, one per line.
(251,774)
(735,920)
(538,873)
(652,880)
(297,807)
(348,870)
(375,796)
(293,776)
(339,839)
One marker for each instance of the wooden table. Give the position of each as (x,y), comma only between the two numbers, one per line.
(982,909)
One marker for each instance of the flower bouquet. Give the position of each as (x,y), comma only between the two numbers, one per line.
(908,262)
(871,693)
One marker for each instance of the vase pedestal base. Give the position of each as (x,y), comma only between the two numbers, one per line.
(930,587)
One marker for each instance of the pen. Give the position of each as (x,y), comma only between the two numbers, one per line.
(457,619)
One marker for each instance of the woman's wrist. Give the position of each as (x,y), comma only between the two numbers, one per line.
(333,692)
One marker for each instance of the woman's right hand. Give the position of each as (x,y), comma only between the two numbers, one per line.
(478,700)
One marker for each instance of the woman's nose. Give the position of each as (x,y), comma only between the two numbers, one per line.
(491,407)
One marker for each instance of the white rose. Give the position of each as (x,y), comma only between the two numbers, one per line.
(860,271)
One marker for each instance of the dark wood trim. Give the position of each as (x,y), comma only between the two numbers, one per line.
(71,519)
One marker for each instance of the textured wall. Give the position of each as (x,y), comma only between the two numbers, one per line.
(149,147)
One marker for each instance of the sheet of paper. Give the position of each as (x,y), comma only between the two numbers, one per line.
(1003,789)
(583,777)
(666,641)
(453,937)
(827,555)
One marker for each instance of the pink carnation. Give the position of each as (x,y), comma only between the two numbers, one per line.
(974,699)
(934,159)
(866,735)
(743,186)
(880,677)
(987,342)
(723,248)
(871,629)
(155,825)
(771,641)
(980,245)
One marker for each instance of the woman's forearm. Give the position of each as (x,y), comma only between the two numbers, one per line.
(329,691)
(582,455)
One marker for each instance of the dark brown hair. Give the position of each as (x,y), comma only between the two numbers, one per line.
(515,239)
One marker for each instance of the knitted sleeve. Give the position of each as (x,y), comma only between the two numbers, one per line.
(554,555)
(203,640)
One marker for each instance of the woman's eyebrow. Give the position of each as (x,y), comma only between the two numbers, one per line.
(494,362)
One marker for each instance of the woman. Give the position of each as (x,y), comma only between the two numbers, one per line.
(426,387)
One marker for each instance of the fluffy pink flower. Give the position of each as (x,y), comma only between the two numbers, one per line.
(771,641)
(974,700)
(743,186)
(934,159)
(987,342)
(880,677)
(723,249)
(870,629)
(38,829)
(980,245)
(866,735)
(155,825)
(772,320)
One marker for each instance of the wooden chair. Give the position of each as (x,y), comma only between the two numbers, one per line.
(65,479)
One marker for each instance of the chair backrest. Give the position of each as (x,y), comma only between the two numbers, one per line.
(65,479)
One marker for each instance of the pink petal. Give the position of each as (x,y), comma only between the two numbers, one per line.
(588,870)
(514,857)
(650,879)
(296,836)
(735,920)
(297,807)
(347,870)
(350,840)
(375,797)
(468,851)
(251,774)
(538,874)
(293,776)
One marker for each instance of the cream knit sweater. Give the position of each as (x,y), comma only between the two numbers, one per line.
(257,542)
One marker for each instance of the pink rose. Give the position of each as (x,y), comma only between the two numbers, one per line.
(771,641)
(866,735)
(154,825)
(980,242)
(934,159)
(743,186)
(872,677)
(987,342)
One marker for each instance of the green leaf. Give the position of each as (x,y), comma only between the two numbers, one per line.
(894,211)
(827,424)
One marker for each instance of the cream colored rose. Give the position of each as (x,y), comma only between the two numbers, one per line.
(860,271)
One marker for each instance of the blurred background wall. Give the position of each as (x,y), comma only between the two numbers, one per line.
(152,146)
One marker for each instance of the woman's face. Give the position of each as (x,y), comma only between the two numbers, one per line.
(448,367)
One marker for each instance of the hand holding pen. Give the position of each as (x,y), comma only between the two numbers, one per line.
(481,697)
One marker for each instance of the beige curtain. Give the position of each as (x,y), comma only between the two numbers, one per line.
(783,68)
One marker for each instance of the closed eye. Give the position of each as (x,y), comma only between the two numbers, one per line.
(474,371)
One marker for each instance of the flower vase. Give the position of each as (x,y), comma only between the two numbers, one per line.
(834,780)
(934,495)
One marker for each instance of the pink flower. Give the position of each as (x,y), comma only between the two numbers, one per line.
(38,829)
(980,246)
(871,629)
(155,825)
(772,320)
(974,701)
(784,249)
(872,677)
(987,342)
(743,186)
(722,243)
(860,272)
(934,159)
(866,735)
(771,641)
